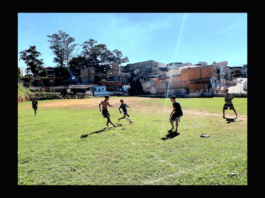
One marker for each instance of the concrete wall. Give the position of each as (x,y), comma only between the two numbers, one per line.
(103,94)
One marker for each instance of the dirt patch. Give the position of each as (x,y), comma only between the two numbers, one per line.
(88,103)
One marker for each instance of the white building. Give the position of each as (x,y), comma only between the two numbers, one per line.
(202,63)
(177,65)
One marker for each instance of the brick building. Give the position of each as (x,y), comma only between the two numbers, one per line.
(87,75)
(193,79)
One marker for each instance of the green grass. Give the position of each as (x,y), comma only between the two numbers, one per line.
(52,152)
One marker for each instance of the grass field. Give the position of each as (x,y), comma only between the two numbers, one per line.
(68,143)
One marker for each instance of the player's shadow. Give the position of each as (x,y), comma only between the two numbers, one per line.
(228,121)
(170,135)
(84,136)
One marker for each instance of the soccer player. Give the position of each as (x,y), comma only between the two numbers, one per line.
(123,106)
(177,113)
(228,103)
(35,105)
(105,112)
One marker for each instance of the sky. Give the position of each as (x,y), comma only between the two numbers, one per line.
(162,37)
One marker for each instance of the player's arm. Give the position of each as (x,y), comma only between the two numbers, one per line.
(174,109)
(110,105)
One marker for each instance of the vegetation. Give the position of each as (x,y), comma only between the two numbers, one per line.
(30,57)
(62,48)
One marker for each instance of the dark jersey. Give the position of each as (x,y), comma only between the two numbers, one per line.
(178,110)
(228,97)
(34,103)
(123,106)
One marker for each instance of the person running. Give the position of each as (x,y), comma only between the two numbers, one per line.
(35,105)
(105,112)
(123,107)
(228,103)
(177,113)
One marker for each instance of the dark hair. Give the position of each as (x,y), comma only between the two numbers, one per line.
(173,97)
(226,89)
(106,96)
(121,100)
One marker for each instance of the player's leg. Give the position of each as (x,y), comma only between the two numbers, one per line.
(121,118)
(171,122)
(129,120)
(234,111)
(224,108)
(107,122)
(110,121)
(177,122)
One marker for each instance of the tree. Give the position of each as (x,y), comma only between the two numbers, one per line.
(100,57)
(78,62)
(62,48)
(117,58)
(19,73)
(30,57)
(136,87)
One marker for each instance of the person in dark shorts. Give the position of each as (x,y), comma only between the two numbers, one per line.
(228,103)
(123,107)
(35,105)
(176,113)
(105,112)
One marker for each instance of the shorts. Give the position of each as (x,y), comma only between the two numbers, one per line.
(105,113)
(35,108)
(174,117)
(125,113)
(230,106)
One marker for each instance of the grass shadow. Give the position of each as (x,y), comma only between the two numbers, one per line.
(170,135)
(229,120)
(84,136)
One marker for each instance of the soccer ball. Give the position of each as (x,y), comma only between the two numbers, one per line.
(128,119)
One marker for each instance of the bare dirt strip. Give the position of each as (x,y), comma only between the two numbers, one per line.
(86,102)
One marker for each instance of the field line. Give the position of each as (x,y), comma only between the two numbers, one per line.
(178,173)
(125,138)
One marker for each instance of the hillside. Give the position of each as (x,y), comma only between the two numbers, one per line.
(23,93)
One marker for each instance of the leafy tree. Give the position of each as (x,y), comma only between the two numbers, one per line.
(62,48)
(30,57)
(19,73)
(78,62)
(99,57)
(136,87)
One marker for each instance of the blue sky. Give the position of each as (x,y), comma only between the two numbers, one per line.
(163,37)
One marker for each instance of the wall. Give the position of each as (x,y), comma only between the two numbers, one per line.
(103,93)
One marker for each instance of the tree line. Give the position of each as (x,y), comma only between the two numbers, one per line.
(61,44)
